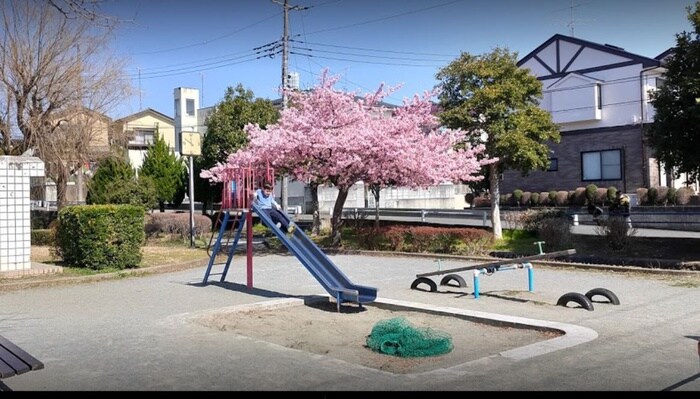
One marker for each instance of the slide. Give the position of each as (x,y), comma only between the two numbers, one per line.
(318,264)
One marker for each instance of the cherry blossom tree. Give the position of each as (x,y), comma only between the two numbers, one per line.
(333,137)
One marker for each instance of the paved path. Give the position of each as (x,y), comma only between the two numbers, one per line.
(133,334)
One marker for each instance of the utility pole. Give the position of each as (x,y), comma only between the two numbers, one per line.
(284,192)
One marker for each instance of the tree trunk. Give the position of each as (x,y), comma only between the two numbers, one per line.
(337,217)
(316,222)
(375,191)
(161,206)
(495,199)
(61,186)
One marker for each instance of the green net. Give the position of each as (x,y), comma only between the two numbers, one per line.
(398,337)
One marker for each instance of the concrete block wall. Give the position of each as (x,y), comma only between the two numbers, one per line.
(15,226)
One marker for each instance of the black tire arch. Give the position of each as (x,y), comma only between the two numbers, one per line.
(424,280)
(576,297)
(603,292)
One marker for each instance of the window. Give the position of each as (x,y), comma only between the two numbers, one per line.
(602,165)
(143,137)
(599,92)
(190,106)
(177,107)
(553,165)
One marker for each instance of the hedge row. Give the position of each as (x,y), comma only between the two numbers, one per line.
(100,236)
(463,241)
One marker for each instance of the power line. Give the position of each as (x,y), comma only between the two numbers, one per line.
(385,18)
(375,50)
(210,40)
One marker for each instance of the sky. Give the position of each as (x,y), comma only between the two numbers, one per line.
(214,44)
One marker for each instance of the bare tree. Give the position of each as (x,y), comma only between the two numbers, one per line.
(54,69)
(87,10)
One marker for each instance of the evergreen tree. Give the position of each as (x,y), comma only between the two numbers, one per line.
(115,182)
(163,166)
(675,133)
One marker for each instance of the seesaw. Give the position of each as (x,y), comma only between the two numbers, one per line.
(488,269)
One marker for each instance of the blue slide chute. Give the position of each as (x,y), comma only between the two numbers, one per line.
(319,265)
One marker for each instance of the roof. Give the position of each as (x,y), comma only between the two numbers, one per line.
(608,48)
(147,111)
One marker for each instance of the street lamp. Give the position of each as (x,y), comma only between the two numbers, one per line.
(191,146)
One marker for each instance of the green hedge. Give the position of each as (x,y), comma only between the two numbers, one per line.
(43,237)
(101,236)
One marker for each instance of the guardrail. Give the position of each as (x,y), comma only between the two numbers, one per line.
(470,217)
(672,220)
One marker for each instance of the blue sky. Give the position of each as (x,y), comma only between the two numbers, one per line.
(213,44)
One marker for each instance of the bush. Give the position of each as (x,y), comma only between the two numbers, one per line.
(671,195)
(465,241)
(642,195)
(100,236)
(601,195)
(552,196)
(652,195)
(612,192)
(535,199)
(616,231)
(683,195)
(525,199)
(176,224)
(517,196)
(662,195)
(555,231)
(591,190)
(43,237)
(579,196)
(544,198)
(562,198)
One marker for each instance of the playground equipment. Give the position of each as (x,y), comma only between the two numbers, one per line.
(237,202)
(586,300)
(487,269)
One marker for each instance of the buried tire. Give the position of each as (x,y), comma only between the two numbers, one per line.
(581,299)
(603,292)
(424,280)
(453,277)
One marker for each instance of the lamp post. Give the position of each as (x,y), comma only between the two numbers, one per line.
(191,201)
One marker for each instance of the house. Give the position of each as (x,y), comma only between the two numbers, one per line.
(81,140)
(598,95)
(136,132)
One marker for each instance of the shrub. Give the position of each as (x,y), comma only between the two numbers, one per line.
(525,199)
(530,219)
(43,236)
(579,196)
(601,195)
(612,191)
(469,198)
(562,198)
(176,224)
(555,231)
(616,231)
(552,196)
(544,198)
(671,195)
(482,202)
(642,195)
(517,195)
(535,199)
(662,195)
(652,195)
(591,190)
(683,195)
(467,241)
(100,236)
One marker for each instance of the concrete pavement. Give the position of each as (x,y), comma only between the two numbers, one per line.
(133,333)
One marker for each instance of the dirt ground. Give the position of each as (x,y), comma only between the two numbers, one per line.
(343,335)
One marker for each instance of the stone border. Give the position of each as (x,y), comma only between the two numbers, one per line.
(573,335)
